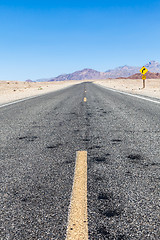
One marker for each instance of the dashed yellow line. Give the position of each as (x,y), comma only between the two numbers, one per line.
(77,221)
(85,99)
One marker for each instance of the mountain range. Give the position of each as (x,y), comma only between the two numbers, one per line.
(119,72)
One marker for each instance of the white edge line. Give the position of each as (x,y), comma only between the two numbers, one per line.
(17,101)
(129,94)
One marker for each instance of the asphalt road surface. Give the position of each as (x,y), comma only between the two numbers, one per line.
(39,139)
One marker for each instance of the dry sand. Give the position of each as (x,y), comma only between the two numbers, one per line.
(11,90)
(133,86)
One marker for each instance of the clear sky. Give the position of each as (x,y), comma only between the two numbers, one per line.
(46,38)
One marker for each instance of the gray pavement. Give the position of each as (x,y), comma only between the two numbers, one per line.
(39,139)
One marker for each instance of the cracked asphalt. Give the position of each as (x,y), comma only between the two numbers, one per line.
(38,143)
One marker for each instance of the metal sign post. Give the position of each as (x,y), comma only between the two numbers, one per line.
(144,81)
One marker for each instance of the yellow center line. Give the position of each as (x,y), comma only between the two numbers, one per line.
(77,221)
(85,99)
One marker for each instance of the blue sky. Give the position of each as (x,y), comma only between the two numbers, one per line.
(41,39)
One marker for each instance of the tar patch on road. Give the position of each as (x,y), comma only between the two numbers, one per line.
(104,234)
(135,157)
(116,140)
(55,146)
(102,158)
(28,138)
(94,147)
(105,196)
(112,213)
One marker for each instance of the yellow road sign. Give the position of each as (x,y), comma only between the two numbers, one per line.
(143,70)
(144,77)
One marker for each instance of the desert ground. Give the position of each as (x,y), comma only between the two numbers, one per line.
(15,90)
(133,86)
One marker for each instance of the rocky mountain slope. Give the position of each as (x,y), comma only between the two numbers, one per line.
(123,71)
(81,75)
(153,66)
(149,75)
(126,71)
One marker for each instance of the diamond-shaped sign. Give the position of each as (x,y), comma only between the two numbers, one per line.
(143,70)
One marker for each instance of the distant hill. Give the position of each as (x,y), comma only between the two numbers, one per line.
(44,79)
(119,72)
(81,75)
(124,71)
(29,80)
(149,75)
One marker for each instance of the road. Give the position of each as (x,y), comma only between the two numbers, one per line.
(39,140)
